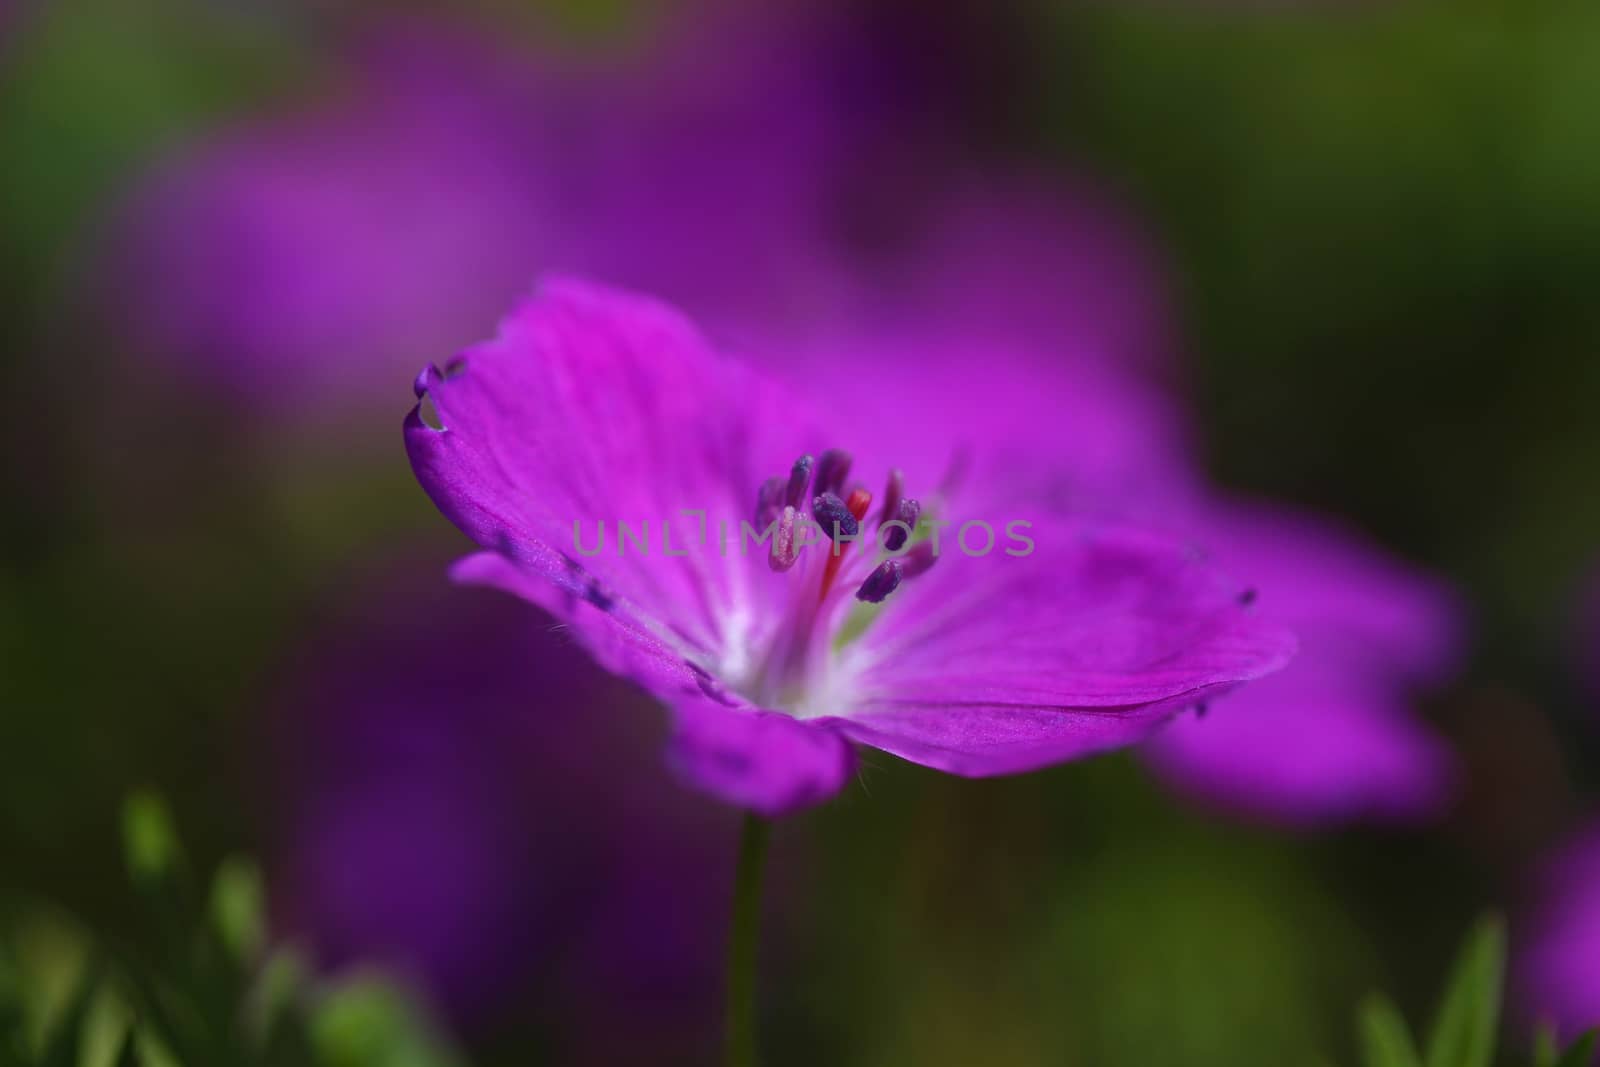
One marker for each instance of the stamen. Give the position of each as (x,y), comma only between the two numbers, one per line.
(784,551)
(769,502)
(842,523)
(909,511)
(832,515)
(881,582)
(892,493)
(799,481)
(832,469)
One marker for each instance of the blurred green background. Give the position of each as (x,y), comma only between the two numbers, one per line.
(1382,223)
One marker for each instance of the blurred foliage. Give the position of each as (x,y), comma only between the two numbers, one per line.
(1080,919)
(1385,220)
(205,990)
(1465,1026)
(215,993)
(95,88)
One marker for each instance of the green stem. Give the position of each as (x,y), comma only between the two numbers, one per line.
(745,932)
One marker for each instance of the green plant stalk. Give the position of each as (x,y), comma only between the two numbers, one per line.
(743,937)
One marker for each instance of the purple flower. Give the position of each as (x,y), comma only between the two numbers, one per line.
(1332,738)
(447,809)
(1557,969)
(1051,268)
(1329,738)
(1048,344)
(991,656)
(294,258)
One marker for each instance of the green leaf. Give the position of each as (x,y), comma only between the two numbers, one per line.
(273,1013)
(63,1048)
(129,1055)
(1464,1030)
(11,1014)
(1385,1038)
(238,908)
(149,840)
(162,1026)
(367,1021)
(1581,1052)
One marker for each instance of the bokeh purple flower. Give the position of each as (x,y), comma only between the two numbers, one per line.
(1557,969)
(1053,268)
(434,748)
(1333,738)
(594,407)
(292,259)
(296,257)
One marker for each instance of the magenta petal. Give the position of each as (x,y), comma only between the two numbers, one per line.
(998,664)
(1558,964)
(1330,739)
(979,741)
(1317,744)
(1338,589)
(617,645)
(596,407)
(765,761)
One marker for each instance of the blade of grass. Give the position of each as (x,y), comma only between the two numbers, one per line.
(1464,1030)
(1385,1038)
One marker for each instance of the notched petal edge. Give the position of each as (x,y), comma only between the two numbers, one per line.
(425,413)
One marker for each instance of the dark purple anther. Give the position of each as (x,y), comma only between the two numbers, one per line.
(784,551)
(881,582)
(893,492)
(831,514)
(832,469)
(919,560)
(799,481)
(769,502)
(894,538)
